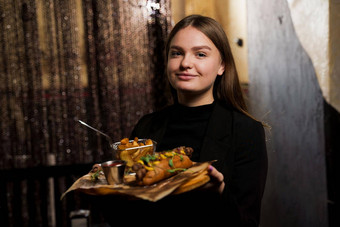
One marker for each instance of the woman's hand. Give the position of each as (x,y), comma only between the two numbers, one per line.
(216,179)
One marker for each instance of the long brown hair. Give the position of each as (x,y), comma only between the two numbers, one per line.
(227,87)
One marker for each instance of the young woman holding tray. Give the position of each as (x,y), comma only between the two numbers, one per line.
(209,114)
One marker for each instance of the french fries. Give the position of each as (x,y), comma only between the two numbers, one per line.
(130,155)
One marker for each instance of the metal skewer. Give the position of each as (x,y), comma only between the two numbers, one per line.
(104,134)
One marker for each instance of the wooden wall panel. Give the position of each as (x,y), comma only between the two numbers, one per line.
(285,93)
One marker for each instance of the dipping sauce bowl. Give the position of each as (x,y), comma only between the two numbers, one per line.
(114,171)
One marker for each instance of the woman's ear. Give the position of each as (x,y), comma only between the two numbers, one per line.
(221,69)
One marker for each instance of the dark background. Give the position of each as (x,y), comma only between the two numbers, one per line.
(102,62)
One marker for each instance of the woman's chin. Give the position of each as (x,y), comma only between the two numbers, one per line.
(186,90)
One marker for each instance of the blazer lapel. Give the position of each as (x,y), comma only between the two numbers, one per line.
(217,143)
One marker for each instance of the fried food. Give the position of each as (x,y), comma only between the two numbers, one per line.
(127,152)
(154,168)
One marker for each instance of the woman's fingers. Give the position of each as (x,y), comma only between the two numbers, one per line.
(216,178)
(213,172)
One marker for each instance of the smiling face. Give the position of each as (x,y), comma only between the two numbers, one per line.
(193,65)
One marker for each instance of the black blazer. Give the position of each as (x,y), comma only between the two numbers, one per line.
(237,142)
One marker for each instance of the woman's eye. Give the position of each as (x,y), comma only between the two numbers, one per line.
(175,53)
(201,55)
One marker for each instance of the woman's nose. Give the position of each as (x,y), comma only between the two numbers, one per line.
(186,62)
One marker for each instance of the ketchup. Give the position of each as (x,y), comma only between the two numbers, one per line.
(112,164)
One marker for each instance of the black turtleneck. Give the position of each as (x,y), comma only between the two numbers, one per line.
(186,127)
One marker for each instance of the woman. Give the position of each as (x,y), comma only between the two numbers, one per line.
(210,116)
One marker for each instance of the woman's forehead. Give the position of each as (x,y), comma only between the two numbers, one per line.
(191,37)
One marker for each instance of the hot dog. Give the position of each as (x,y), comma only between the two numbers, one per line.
(154,168)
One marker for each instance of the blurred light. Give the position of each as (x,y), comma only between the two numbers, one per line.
(152,6)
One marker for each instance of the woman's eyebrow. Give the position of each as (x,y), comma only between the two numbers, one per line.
(176,47)
(193,48)
(201,47)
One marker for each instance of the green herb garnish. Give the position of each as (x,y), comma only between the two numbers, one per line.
(95,176)
(171,163)
(146,159)
(175,170)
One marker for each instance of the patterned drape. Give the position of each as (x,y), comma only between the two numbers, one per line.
(61,61)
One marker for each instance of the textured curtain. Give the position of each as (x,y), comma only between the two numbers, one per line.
(62,61)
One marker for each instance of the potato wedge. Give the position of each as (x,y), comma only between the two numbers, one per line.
(124,155)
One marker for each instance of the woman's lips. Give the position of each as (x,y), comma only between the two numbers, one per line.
(185,76)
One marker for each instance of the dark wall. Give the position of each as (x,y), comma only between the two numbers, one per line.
(284,92)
